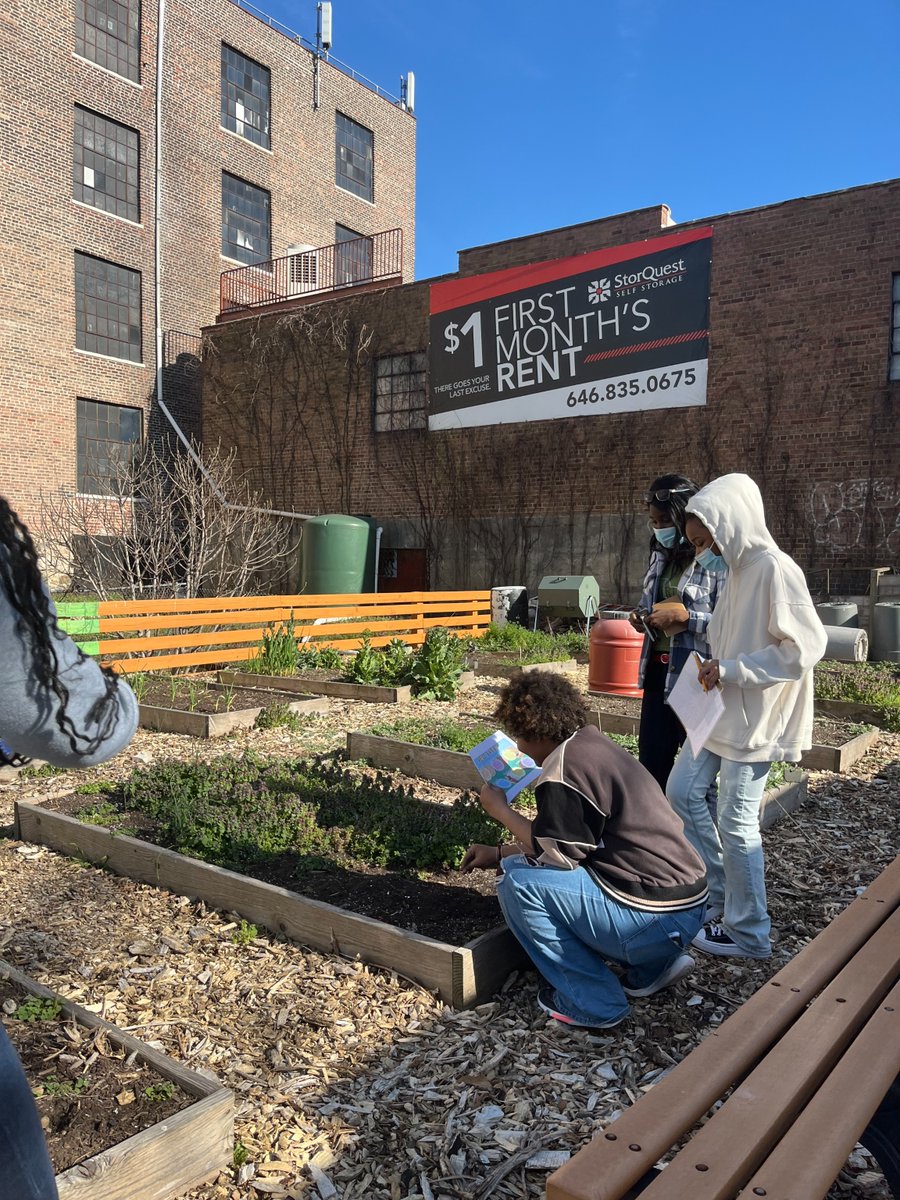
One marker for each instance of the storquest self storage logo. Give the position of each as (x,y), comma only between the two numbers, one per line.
(599,289)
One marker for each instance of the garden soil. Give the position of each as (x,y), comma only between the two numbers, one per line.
(88,1097)
(355,1083)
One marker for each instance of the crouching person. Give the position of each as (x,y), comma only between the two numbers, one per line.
(602,874)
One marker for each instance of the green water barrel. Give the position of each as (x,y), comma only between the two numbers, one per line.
(335,555)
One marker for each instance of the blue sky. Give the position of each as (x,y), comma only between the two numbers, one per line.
(533,115)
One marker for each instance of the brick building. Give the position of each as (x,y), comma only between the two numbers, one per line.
(265,145)
(328,405)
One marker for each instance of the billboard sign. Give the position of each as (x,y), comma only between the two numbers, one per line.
(615,330)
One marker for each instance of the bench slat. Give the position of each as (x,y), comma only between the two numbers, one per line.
(731,1145)
(801,1167)
(612,1163)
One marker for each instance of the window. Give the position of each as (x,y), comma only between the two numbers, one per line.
(107,308)
(894,373)
(108,32)
(106,166)
(245,96)
(354,147)
(352,256)
(400,392)
(107,436)
(246,221)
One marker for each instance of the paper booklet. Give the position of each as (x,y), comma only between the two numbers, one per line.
(697,709)
(501,764)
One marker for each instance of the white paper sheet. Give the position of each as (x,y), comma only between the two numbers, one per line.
(697,710)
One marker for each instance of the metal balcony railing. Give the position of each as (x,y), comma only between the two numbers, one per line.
(313,272)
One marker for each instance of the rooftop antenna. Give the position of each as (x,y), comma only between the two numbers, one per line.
(323,30)
(408,92)
(323,43)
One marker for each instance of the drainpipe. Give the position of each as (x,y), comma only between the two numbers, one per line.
(378,532)
(157,290)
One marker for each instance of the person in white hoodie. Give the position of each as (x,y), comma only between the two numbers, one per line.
(765,638)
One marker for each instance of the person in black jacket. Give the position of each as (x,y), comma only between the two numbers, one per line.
(603,873)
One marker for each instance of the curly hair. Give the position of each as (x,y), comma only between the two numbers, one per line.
(21,582)
(541,704)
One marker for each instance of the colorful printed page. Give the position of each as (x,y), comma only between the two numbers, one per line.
(500,764)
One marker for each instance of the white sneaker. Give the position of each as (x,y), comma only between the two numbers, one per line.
(676,970)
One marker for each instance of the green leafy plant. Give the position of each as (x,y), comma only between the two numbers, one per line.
(157,1093)
(239,1155)
(36,1008)
(275,716)
(245,934)
(44,772)
(437,666)
(445,735)
(195,693)
(64,1087)
(365,666)
(99,787)
(278,652)
(311,658)
(173,689)
(529,645)
(99,814)
(140,682)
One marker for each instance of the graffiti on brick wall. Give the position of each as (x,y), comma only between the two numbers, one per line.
(858,513)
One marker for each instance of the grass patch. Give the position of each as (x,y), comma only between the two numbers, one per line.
(44,772)
(445,735)
(530,645)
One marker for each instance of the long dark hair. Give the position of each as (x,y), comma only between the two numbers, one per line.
(674,506)
(24,589)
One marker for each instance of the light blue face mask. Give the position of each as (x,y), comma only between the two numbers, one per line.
(710,561)
(666,537)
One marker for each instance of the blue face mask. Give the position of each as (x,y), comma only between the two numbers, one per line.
(711,561)
(666,537)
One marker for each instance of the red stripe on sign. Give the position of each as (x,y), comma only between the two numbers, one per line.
(655,345)
(457,293)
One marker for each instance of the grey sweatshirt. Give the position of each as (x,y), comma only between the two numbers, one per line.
(28,710)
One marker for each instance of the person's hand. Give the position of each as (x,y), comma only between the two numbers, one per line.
(494,802)
(478,857)
(709,674)
(666,616)
(634,621)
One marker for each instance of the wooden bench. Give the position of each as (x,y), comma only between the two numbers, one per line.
(809,1065)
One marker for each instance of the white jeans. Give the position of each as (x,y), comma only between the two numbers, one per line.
(731,846)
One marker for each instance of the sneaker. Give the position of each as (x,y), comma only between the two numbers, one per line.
(713,939)
(676,970)
(546,998)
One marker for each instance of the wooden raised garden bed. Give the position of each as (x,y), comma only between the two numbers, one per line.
(170,1157)
(849,710)
(210,725)
(307,685)
(453,768)
(461,975)
(839,758)
(820,757)
(498,665)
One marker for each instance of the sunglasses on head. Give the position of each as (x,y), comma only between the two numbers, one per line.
(664,494)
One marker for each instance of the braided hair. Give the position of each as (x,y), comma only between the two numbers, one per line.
(674,507)
(23,587)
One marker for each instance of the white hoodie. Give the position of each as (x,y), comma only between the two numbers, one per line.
(764,631)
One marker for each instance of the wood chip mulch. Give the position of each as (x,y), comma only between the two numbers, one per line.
(351,1082)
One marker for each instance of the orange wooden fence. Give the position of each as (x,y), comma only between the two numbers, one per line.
(158,635)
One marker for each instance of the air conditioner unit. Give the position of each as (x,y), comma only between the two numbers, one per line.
(303,270)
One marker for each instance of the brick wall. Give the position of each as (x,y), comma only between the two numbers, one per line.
(41,226)
(800,315)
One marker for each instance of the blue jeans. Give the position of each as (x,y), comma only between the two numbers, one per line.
(731,846)
(25,1173)
(567,925)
